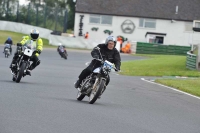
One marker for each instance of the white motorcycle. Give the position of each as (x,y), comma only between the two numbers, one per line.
(23,61)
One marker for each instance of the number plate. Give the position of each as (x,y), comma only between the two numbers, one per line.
(28,52)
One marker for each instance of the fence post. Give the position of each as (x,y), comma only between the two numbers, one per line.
(198,57)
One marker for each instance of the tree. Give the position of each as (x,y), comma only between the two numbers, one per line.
(6,7)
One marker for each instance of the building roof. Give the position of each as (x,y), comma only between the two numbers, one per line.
(188,10)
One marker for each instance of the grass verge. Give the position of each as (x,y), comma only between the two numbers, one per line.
(158,65)
(165,65)
(17,37)
(191,86)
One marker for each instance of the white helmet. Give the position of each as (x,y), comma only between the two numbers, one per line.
(34,34)
(110,38)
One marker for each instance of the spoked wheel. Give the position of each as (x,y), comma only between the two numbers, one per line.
(20,72)
(96,92)
(80,96)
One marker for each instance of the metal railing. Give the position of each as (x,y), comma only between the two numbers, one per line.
(191,61)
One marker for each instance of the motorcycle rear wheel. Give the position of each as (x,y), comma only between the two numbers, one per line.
(64,56)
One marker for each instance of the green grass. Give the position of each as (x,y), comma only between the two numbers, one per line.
(165,65)
(191,86)
(17,37)
(158,65)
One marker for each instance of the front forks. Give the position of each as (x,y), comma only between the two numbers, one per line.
(95,84)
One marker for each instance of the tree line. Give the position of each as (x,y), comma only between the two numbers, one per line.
(56,15)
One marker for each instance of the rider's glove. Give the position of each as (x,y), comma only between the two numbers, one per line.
(38,51)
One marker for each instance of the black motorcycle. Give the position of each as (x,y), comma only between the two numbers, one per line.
(22,63)
(94,85)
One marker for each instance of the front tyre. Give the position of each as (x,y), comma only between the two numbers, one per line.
(20,72)
(96,92)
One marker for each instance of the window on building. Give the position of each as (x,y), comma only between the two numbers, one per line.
(95,19)
(106,19)
(157,39)
(188,26)
(147,23)
(101,19)
(197,25)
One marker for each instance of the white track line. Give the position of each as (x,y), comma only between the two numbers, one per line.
(171,88)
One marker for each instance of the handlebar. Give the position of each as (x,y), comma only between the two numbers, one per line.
(102,61)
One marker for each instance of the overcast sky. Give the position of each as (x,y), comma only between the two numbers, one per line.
(22,2)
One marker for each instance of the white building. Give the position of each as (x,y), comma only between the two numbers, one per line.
(156,21)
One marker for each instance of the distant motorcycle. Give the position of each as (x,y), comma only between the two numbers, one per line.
(94,85)
(23,62)
(63,53)
(7,50)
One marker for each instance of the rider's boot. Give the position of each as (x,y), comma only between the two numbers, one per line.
(28,71)
(77,84)
(13,63)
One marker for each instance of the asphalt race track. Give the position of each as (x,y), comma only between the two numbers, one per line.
(46,101)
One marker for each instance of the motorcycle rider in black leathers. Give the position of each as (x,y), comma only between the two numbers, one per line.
(109,52)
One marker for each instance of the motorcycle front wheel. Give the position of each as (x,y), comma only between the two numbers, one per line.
(96,92)
(20,72)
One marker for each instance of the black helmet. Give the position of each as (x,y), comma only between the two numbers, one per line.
(34,34)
